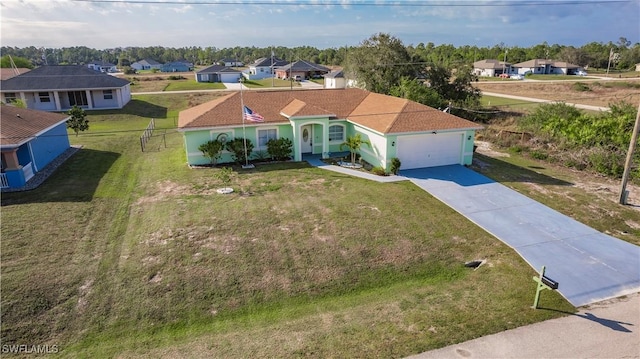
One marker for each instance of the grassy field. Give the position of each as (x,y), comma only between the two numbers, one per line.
(131,254)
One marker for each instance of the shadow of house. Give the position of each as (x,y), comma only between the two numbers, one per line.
(512,173)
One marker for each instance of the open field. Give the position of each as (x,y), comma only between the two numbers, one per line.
(597,93)
(131,254)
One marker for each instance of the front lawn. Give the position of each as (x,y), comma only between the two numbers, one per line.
(131,254)
(191,84)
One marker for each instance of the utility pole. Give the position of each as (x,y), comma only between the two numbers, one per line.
(609,64)
(627,164)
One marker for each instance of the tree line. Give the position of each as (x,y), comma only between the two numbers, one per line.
(622,54)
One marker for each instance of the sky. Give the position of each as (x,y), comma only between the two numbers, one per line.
(103,24)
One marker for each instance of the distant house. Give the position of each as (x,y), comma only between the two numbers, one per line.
(231,63)
(546,67)
(146,64)
(29,141)
(265,67)
(177,66)
(304,69)
(491,68)
(335,80)
(58,88)
(317,122)
(7,73)
(218,73)
(638,67)
(102,66)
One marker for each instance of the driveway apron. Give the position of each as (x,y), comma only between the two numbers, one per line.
(590,266)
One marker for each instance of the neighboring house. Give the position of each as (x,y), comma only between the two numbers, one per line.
(231,63)
(491,68)
(146,64)
(265,67)
(7,73)
(546,67)
(58,88)
(29,140)
(304,69)
(638,67)
(102,66)
(218,73)
(318,121)
(177,66)
(335,80)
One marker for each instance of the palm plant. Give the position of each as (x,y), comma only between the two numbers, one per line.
(353,143)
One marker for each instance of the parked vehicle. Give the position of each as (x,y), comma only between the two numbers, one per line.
(517,77)
(581,73)
(297,78)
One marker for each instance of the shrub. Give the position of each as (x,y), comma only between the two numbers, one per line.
(212,150)
(581,87)
(237,149)
(395,165)
(176,77)
(378,170)
(607,162)
(280,149)
(539,155)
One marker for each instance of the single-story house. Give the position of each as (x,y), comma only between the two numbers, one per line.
(29,140)
(146,64)
(491,68)
(546,67)
(102,66)
(177,66)
(231,63)
(218,73)
(335,80)
(264,67)
(318,121)
(59,88)
(304,69)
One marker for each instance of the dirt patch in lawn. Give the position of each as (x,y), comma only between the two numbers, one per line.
(599,93)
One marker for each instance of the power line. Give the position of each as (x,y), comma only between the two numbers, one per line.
(370,3)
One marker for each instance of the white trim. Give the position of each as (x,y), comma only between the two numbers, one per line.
(344,132)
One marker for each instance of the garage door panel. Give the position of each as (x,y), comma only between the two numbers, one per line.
(430,150)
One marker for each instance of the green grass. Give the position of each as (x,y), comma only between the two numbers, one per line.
(267,83)
(132,254)
(512,104)
(191,84)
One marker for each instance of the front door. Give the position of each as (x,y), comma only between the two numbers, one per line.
(306,142)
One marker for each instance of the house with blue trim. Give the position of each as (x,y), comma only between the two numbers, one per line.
(29,141)
(59,88)
(319,121)
(218,73)
(176,66)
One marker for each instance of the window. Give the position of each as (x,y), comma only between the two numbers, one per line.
(44,97)
(265,135)
(77,98)
(108,94)
(10,97)
(336,133)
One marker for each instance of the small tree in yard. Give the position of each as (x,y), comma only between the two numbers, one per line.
(280,149)
(354,143)
(78,121)
(212,150)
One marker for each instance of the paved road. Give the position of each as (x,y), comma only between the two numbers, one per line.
(530,99)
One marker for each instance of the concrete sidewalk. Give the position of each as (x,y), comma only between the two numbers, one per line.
(607,329)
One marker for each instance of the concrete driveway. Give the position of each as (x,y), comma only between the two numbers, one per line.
(590,266)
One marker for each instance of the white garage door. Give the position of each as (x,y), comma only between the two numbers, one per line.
(430,150)
(229,77)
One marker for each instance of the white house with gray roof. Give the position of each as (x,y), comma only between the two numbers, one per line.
(59,88)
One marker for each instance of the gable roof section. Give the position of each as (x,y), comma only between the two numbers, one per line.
(149,62)
(21,124)
(7,73)
(217,69)
(334,74)
(302,65)
(381,113)
(490,64)
(68,77)
(266,62)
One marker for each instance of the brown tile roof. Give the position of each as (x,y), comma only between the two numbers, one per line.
(381,113)
(7,73)
(20,124)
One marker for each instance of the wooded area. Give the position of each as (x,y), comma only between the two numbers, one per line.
(624,55)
